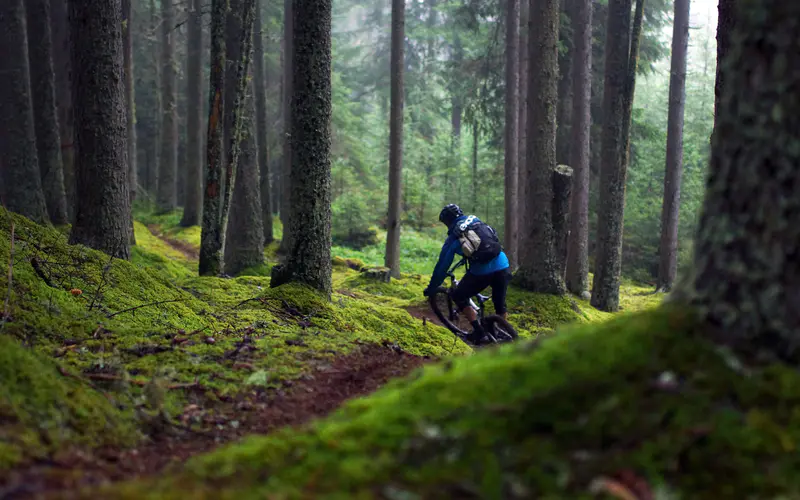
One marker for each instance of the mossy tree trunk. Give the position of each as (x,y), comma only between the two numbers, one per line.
(538,263)
(217,199)
(193,205)
(511,129)
(522,119)
(746,275)
(261,136)
(392,257)
(622,55)
(286,139)
(167,197)
(577,273)
(103,212)
(48,143)
(668,248)
(562,195)
(18,161)
(62,66)
(309,259)
(244,243)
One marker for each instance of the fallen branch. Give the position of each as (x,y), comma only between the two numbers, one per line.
(158,303)
(37,267)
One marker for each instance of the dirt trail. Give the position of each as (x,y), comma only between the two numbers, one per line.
(256,412)
(186,249)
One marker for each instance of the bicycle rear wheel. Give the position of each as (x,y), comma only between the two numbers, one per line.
(447,312)
(499,328)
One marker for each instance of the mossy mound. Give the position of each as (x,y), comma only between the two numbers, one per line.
(642,393)
(42,409)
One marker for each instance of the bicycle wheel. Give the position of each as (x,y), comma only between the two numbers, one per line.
(499,328)
(447,312)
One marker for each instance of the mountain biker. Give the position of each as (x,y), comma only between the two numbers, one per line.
(488,265)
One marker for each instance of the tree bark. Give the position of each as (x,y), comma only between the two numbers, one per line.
(745,283)
(538,263)
(156,118)
(622,52)
(309,261)
(127,41)
(244,243)
(217,201)
(286,140)
(562,191)
(103,212)
(475,144)
(193,206)
(564,113)
(577,274)
(62,65)
(511,129)
(261,136)
(392,258)
(668,249)
(522,123)
(18,161)
(726,22)
(48,143)
(167,198)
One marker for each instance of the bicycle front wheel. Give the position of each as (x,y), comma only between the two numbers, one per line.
(447,312)
(500,328)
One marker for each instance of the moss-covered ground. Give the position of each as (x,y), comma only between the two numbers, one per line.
(97,346)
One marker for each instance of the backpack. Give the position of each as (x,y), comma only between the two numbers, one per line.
(479,241)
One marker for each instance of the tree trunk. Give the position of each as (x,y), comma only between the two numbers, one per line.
(538,263)
(392,259)
(244,243)
(726,22)
(577,274)
(309,261)
(668,250)
(746,279)
(18,161)
(522,124)
(286,140)
(62,65)
(216,202)
(103,212)
(564,113)
(512,122)
(562,190)
(154,142)
(193,206)
(48,143)
(261,136)
(127,41)
(621,51)
(475,143)
(167,198)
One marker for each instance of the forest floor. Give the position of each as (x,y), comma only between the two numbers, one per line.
(129,369)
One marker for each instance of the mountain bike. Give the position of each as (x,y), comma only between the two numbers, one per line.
(497,329)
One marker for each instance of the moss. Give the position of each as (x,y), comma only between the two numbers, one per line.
(641,393)
(41,409)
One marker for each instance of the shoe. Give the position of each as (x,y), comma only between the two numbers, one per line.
(478,337)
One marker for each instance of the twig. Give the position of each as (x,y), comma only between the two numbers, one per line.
(37,267)
(145,305)
(102,281)
(10,275)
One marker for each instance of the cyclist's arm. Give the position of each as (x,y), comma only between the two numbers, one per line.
(446,256)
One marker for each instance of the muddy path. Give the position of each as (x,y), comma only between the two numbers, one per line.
(215,423)
(188,251)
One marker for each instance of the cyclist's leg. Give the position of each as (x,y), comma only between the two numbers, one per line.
(467,288)
(500,281)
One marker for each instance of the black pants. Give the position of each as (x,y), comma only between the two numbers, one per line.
(473,284)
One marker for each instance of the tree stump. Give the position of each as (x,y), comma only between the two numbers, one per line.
(562,192)
(382,274)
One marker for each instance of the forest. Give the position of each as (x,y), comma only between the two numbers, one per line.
(399,250)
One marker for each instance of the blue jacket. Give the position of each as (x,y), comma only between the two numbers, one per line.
(452,247)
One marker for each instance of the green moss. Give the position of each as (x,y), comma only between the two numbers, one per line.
(532,422)
(42,410)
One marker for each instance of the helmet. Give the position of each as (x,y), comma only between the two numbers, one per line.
(450,213)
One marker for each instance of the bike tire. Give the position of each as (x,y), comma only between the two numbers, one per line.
(445,318)
(496,322)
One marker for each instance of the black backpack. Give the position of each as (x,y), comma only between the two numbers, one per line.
(479,241)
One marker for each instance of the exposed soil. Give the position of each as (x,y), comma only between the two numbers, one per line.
(255,412)
(186,249)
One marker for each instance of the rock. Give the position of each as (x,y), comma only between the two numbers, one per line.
(585,295)
(382,274)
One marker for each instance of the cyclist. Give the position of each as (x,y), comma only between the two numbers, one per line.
(487,265)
